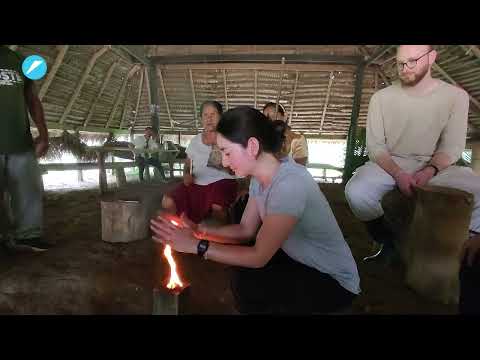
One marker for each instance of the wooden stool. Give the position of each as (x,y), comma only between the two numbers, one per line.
(124,221)
(432,227)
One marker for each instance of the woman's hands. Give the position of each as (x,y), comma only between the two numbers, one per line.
(176,232)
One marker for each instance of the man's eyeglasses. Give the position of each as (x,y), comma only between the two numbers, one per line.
(410,63)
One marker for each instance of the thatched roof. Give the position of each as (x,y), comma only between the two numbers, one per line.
(103,88)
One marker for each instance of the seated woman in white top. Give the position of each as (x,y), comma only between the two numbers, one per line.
(300,262)
(210,189)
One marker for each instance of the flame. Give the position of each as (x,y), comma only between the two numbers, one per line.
(174,281)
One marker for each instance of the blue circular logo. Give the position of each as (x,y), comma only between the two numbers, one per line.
(34,67)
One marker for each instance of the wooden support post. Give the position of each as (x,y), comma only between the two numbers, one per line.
(106,79)
(53,71)
(120,175)
(102,175)
(476,157)
(81,82)
(352,131)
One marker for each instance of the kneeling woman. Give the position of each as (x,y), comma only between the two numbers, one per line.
(299,262)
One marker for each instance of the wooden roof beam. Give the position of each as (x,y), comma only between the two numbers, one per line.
(132,71)
(140,90)
(53,71)
(259,66)
(378,54)
(195,115)
(255,76)
(258,58)
(327,98)
(162,85)
(100,93)
(78,88)
(279,88)
(225,87)
(293,98)
(437,67)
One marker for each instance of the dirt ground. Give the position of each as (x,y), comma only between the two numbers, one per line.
(82,274)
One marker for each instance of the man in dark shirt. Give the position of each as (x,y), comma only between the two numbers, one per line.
(19,171)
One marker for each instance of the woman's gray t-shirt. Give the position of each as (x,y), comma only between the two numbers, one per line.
(316,239)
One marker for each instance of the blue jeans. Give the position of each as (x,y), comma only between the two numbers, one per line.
(20,176)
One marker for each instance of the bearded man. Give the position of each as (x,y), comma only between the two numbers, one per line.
(416,132)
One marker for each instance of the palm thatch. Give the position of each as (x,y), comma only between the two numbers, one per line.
(103,88)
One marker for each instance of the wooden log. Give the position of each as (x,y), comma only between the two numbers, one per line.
(124,220)
(430,229)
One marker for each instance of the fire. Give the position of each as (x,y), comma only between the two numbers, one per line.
(174,278)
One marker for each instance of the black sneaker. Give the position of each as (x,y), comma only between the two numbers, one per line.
(33,244)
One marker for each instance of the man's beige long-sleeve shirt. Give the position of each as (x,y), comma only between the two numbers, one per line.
(418,126)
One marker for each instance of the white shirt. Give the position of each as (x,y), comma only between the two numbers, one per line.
(140,143)
(199,153)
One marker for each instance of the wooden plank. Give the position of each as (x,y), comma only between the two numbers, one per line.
(132,71)
(194,99)
(258,58)
(140,90)
(261,67)
(85,166)
(53,71)
(162,85)
(329,87)
(78,88)
(100,93)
